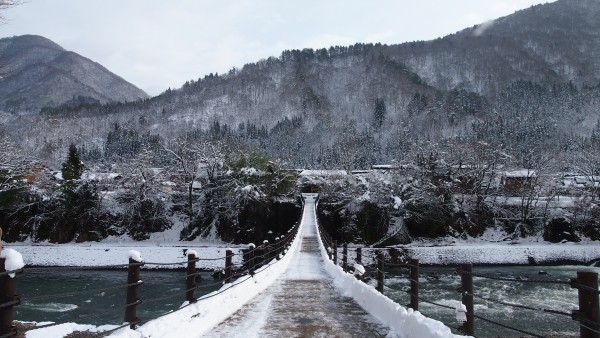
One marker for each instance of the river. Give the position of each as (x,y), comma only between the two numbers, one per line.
(437,284)
(101,307)
(440,284)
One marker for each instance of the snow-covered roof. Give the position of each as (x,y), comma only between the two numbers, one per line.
(384,166)
(249,171)
(520,173)
(100,176)
(323,173)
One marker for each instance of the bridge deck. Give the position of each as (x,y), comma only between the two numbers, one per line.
(302,302)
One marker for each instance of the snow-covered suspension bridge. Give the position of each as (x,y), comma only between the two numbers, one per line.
(295,292)
(302,293)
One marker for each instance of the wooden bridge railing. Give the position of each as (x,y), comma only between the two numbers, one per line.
(586,283)
(254,258)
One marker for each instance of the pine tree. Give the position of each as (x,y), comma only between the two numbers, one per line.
(73,167)
(379,113)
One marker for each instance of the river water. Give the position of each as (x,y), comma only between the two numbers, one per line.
(98,307)
(440,284)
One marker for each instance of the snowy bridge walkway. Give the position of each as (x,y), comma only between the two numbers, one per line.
(302,302)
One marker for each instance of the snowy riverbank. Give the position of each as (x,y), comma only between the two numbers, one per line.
(489,253)
(508,254)
(101,254)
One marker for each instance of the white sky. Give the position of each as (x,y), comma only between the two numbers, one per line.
(156,44)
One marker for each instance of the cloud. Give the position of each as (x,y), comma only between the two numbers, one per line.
(480,29)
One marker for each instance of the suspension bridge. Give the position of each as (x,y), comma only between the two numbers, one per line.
(297,287)
(302,302)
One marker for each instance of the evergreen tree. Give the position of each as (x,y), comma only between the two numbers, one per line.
(73,167)
(379,113)
(417,104)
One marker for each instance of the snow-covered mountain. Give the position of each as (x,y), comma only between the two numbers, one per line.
(549,45)
(37,72)
(546,44)
(521,92)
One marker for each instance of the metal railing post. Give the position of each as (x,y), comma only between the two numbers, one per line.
(380,274)
(414,284)
(7,300)
(466,278)
(133,292)
(587,314)
(228,265)
(190,282)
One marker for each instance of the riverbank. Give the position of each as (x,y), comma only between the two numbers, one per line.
(504,254)
(484,254)
(103,254)
(92,255)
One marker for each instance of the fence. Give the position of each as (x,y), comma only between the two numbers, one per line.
(253,259)
(586,284)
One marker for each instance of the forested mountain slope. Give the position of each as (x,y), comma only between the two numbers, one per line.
(457,118)
(546,44)
(38,73)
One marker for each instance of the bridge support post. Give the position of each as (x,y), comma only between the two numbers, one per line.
(190,281)
(380,274)
(414,284)
(466,278)
(133,292)
(250,257)
(276,248)
(335,247)
(587,314)
(7,300)
(359,256)
(265,252)
(345,257)
(279,246)
(228,265)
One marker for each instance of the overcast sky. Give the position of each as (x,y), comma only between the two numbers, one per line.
(156,44)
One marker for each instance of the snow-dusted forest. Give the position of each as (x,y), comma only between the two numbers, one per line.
(481,134)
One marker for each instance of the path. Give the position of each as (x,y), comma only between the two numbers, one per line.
(302,302)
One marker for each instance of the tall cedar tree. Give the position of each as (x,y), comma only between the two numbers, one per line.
(73,167)
(379,113)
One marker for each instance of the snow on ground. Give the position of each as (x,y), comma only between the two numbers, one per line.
(490,253)
(62,330)
(504,253)
(98,254)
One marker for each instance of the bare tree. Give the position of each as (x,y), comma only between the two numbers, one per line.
(475,172)
(193,160)
(13,165)
(7,4)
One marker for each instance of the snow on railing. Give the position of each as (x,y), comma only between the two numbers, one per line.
(374,301)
